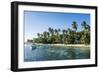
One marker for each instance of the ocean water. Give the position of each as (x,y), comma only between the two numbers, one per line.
(47,53)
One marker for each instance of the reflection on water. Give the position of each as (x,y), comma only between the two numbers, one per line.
(45,52)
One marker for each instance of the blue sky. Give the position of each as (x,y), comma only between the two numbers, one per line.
(35,22)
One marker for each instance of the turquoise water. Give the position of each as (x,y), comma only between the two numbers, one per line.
(46,53)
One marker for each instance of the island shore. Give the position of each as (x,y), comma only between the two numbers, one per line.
(65,45)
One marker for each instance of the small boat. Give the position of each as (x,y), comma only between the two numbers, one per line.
(33,47)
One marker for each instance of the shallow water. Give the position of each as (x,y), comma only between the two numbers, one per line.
(45,53)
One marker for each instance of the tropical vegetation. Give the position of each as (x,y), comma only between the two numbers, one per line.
(65,36)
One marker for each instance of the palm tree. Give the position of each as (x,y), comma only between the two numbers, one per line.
(86,33)
(88,28)
(57,35)
(38,34)
(64,32)
(47,34)
(45,37)
(51,31)
(64,36)
(74,26)
(70,36)
(59,30)
(56,32)
(68,31)
(84,26)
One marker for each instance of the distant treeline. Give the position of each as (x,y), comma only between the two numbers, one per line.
(65,36)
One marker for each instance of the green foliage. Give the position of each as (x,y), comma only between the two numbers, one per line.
(74,25)
(65,36)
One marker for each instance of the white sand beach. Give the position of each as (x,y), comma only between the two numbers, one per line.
(65,45)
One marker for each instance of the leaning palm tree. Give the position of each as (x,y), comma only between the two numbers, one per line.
(84,26)
(86,33)
(88,28)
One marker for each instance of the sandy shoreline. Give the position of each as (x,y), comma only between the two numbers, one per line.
(65,45)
